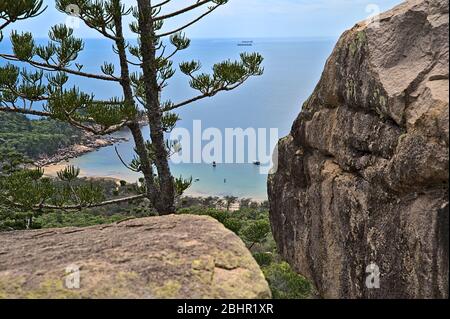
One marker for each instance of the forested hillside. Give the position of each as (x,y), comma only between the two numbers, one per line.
(35,137)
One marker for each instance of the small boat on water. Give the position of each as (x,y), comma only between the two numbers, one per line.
(257,163)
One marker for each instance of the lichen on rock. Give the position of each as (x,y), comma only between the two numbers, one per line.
(183,256)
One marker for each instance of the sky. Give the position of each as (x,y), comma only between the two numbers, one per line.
(246,18)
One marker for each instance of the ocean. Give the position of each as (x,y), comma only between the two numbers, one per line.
(272,101)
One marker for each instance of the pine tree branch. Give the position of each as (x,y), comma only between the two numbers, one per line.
(91,129)
(39,98)
(5,24)
(86,19)
(24,96)
(51,67)
(78,207)
(69,119)
(188,24)
(31,13)
(24,111)
(161,4)
(123,162)
(102,31)
(203,96)
(184,10)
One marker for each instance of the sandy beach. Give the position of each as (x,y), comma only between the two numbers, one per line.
(51,170)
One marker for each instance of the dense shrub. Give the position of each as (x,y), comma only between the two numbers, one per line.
(263,259)
(256,232)
(35,137)
(286,283)
(15,220)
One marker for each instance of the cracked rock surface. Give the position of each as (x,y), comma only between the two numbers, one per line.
(363,176)
(177,256)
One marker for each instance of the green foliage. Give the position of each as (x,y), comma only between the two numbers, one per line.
(140,211)
(256,232)
(286,283)
(11,160)
(190,67)
(14,220)
(225,74)
(230,200)
(96,14)
(69,174)
(89,194)
(25,188)
(23,45)
(67,104)
(35,137)
(220,215)
(182,184)
(53,62)
(28,190)
(233,224)
(263,259)
(65,46)
(28,193)
(169,121)
(180,41)
(14,10)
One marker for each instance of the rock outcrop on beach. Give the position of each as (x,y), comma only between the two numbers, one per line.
(88,143)
(159,257)
(362,178)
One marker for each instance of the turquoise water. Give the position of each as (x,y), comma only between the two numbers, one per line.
(292,69)
(242,180)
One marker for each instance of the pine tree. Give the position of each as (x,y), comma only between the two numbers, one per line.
(144,72)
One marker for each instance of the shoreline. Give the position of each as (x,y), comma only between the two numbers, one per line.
(89,143)
(52,169)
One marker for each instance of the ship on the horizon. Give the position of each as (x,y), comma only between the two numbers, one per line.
(245,43)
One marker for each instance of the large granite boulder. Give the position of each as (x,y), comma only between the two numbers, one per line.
(362,178)
(158,257)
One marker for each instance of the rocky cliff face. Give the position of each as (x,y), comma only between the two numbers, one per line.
(363,176)
(160,257)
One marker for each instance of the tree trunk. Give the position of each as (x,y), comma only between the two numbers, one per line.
(153,193)
(154,112)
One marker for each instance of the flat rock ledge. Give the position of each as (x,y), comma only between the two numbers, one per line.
(177,256)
